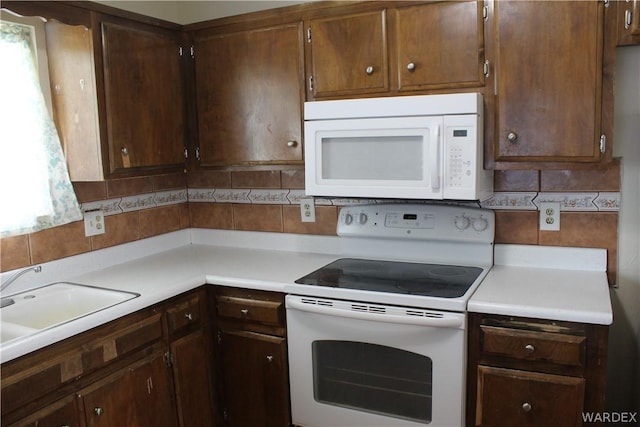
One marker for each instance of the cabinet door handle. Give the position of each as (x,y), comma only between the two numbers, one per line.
(292,144)
(512,137)
(189,316)
(526,407)
(244,311)
(529,348)
(269,359)
(369,70)
(411,66)
(98,411)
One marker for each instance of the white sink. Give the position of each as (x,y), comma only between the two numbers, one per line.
(51,305)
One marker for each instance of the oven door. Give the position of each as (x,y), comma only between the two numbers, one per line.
(358,364)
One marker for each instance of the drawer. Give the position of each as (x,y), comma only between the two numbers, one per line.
(184,314)
(250,310)
(520,344)
(508,397)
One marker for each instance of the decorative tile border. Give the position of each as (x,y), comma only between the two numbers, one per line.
(578,202)
(137,202)
(582,202)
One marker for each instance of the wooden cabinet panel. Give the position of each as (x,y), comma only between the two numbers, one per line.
(439,45)
(628,22)
(191,359)
(137,396)
(249,310)
(549,67)
(62,413)
(520,398)
(529,345)
(249,93)
(143,97)
(349,54)
(256,390)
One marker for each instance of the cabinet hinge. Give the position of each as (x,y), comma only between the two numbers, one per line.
(180,50)
(486,68)
(197,153)
(186,153)
(168,358)
(603,143)
(606,3)
(485,12)
(219,337)
(309,35)
(310,83)
(192,51)
(225,414)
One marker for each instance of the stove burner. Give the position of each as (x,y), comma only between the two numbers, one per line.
(444,281)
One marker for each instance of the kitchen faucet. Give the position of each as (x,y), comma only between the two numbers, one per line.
(10,280)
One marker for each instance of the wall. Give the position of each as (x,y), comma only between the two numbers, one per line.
(623,377)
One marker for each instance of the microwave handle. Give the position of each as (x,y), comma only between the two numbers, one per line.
(434,147)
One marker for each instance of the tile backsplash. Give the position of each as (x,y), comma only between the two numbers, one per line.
(268,200)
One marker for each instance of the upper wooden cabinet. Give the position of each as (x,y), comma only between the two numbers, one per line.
(348,54)
(438,45)
(143,96)
(407,47)
(550,100)
(628,22)
(249,93)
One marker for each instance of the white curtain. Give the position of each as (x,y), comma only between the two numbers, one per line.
(35,189)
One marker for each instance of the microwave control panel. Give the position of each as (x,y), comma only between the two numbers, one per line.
(460,157)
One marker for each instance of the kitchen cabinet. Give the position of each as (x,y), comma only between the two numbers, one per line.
(152,367)
(529,372)
(143,96)
(139,395)
(253,357)
(249,94)
(408,47)
(549,61)
(628,22)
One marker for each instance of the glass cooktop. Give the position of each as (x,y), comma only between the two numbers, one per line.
(434,280)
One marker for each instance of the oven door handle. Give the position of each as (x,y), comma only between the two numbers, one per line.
(446,321)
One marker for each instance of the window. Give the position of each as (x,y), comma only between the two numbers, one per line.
(35,188)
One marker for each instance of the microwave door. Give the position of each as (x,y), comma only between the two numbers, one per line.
(387,158)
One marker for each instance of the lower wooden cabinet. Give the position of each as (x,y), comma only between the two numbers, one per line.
(150,368)
(139,395)
(532,372)
(252,348)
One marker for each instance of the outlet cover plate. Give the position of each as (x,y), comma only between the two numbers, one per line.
(549,216)
(93,223)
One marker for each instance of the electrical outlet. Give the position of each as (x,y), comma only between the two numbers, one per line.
(307,210)
(93,223)
(550,216)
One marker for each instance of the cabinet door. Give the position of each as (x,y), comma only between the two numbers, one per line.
(62,413)
(255,380)
(439,45)
(193,382)
(249,93)
(548,64)
(519,398)
(138,396)
(348,54)
(143,97)
(628,22)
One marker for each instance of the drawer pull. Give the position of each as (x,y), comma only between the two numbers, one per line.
(244,311)
(189,316)
(526,407)
(98,411)
(529,348)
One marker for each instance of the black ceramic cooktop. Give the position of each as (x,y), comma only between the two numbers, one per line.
(434,280)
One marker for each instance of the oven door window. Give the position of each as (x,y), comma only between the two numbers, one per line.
(373,378)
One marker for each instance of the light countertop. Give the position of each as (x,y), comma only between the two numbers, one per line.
(165,266)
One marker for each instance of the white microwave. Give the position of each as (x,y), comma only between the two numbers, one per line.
(406,147)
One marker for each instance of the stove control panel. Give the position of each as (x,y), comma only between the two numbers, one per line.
(418,222)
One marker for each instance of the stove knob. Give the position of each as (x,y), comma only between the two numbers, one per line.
(348,219)
(480,224)
(362,219)
(462,222)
